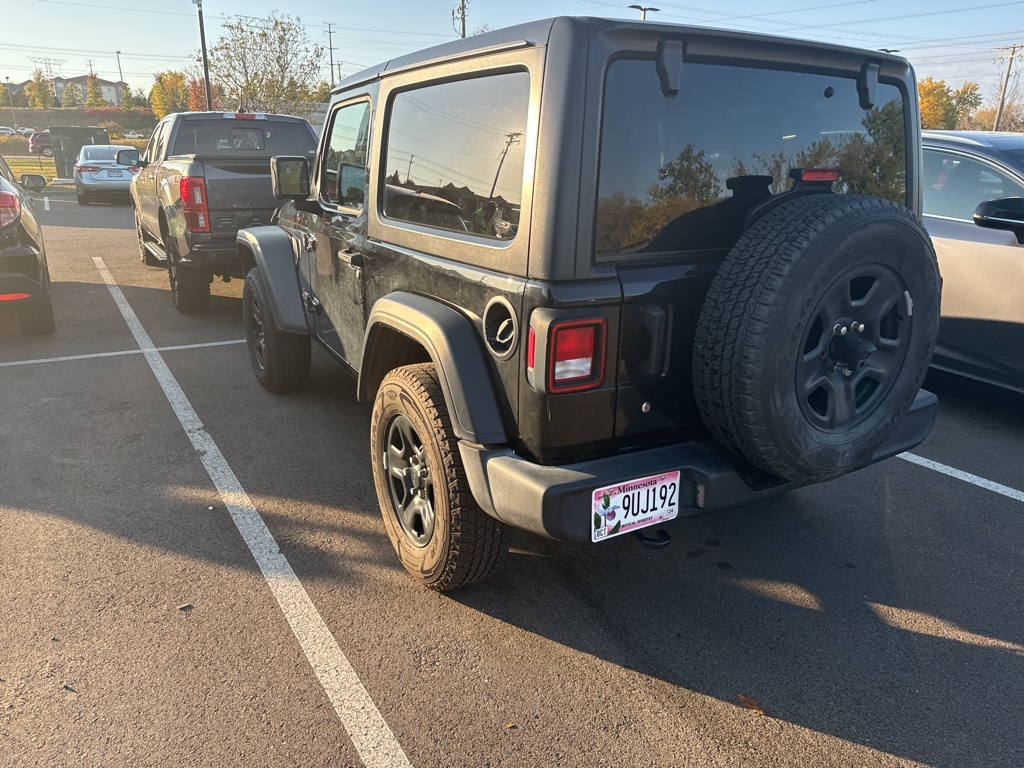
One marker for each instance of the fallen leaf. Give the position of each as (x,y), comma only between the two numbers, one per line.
(750,704)
(511,726)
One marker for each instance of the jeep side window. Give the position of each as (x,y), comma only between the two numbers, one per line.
(681,172)
(455,154)
(343,173)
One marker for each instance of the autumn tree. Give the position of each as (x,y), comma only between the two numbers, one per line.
(72,96)
(266,65)
(169,93)
(40,91)
(943,108)
(93,93)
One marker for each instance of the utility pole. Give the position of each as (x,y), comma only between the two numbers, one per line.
(206,61)
(408,173)
(330,49)
(90,67)
(120,77)
(11,97)
(1006,79)
(459,17)
(510,139)
(643,10)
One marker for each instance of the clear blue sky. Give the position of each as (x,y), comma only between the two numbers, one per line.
(949,39)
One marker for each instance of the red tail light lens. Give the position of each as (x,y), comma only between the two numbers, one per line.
(87,168)
(193,203)
(576,355)
(818,174)
(14,296)
(10,208)
(531,349)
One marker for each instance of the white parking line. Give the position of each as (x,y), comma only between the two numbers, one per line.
(46,203)
(372,737)
(967,477)
(70,358)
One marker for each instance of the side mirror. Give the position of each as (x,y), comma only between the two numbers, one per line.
(290,177)
(127,157)
(33,182)
(1002,213)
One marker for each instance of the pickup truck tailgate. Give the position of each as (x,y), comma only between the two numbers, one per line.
(238,193)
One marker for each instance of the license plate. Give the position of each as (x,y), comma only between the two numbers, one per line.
(114,174)
(634,504)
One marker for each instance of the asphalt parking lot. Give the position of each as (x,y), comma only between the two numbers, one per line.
(149,619)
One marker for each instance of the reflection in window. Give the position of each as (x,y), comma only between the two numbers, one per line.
(455,155)
(953,185)
(343,174)
(682,172)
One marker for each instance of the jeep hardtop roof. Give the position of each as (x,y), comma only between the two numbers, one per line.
(540,32)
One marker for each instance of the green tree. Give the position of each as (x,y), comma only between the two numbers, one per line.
(266,65)
(321,93)
(93,93)
(40,91)
(127,99)
(169,94)
(72,96)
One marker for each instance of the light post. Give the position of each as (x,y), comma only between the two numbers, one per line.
(643,10)
(206,63)
(11,97)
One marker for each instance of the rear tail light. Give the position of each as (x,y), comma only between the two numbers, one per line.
(14,296)
(193,204)
(10,208)
(815,174)
(572,352)
(87,168)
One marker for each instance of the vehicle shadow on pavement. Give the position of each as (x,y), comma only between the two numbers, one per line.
(822,609)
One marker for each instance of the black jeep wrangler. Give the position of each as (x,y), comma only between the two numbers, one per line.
(595,275)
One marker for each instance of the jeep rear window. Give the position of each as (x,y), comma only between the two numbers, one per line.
(455,154)
(681,172)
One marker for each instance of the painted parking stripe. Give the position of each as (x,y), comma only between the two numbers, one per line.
(46,203)
(70,358)
(370,734)
(967,477)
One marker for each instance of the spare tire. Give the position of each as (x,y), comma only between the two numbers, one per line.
(816,334)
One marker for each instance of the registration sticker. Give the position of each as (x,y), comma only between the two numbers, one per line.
(634,504)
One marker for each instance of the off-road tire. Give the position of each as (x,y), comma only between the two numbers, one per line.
(36,318)
(466,544)
(763,308)
(190,292)
(280,360)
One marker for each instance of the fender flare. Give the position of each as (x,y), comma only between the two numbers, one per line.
(455,348)
(271,248)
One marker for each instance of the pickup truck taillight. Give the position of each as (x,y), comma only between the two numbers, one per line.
(10,208)
(566,355)
(193,204)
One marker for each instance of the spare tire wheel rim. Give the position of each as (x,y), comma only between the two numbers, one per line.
(410,480)
(853,347)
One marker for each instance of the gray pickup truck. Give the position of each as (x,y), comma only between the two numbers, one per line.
(204,176)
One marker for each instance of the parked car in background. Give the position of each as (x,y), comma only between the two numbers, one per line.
(7,131)
(24,131)
(204,176)
(39,144)
(24,275)
(980,251)
(133,135)
(99,174)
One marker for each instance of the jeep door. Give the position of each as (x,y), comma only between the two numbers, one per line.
(336,275)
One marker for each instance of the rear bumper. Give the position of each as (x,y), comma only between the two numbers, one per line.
(19,282)
(555,501)
(219,257)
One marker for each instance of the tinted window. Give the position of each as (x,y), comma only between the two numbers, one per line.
(253,138)
(681,172)
(5,171)
(455,155)
(953,184)
(343,175)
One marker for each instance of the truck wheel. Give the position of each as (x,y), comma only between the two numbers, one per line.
(280,360)
(189,291)
(442,537)
(816,334)
(36,318)
(145,256)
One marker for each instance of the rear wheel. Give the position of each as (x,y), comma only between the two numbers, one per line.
(190,290)
(442,537)
(83,198)
(36,318)
(280,360)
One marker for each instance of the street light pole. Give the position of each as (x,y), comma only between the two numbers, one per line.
(11,97)
(120,77)
(206,63)
(643,10)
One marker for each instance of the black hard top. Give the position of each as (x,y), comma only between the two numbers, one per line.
(538,32)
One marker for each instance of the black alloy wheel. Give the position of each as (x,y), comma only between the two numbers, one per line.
(410,481)
(853,348)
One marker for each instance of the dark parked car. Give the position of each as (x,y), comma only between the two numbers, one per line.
(39,143)
(203,176)
(24,275)
(980,251)
(695,277)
